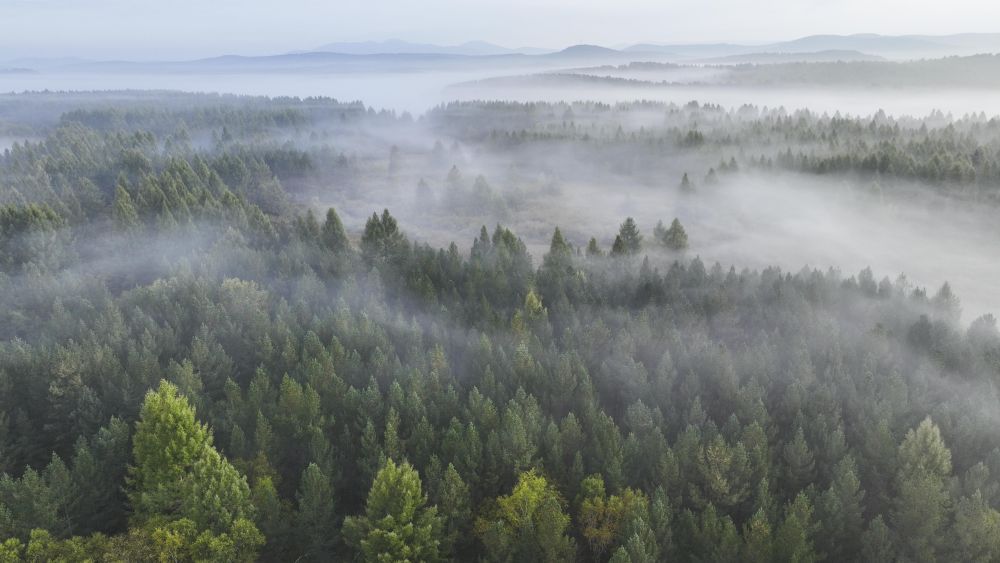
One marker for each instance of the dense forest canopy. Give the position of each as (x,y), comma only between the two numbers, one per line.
(216,345)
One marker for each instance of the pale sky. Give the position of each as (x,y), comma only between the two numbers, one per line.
(172,29)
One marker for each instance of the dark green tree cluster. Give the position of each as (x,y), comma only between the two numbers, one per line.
(958,157)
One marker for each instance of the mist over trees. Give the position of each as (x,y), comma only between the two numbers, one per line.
(202,358)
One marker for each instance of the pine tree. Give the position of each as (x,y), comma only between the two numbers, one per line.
(593,249)
(799,464)
(177,473)
(456,512)
(977,529)
(840,513)
(397,524)
(334,236)
(382,240)
(675,238)
(99,468)
(310,227)
(274,518)
(168,441)
(630,236)
(711,178)
(529,524)
(922,501)
(708,536)
(560,256)
(686,184)
(215,495)
(876,543)
(661,522)
(793,540)
(392,446)
(315,519)
(124,213)
(757,541)
(619,248)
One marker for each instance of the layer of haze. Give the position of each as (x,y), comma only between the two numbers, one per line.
(416,92)
(153,29)
(749,220)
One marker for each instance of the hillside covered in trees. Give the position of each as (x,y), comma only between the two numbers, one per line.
(215,345)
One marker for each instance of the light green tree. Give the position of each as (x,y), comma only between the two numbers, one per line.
(529,524)
(177,473)
(921,504)
(168,441)
(397,525)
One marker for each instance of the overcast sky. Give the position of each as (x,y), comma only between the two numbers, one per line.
(165,29)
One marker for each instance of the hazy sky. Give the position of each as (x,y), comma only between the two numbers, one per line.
(190,28)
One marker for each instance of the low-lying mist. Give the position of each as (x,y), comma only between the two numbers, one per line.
(748,220)
(417,90)
(856,101)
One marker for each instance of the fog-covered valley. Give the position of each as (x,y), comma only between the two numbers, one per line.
(838,81)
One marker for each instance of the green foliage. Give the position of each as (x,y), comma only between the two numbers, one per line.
(529,524)
(382,240)
(793,540)
(675,237)
(721,414)
(840,511)
(168,442)
(605,521)
(125,215)
(179,477)
(334,236)
(757,539)
(877,543)
(454,503)
(630,236)
(316,522)
(922,503)
(977,528)
(397,525)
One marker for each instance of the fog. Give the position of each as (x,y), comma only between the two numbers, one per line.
(748,220)
(418,91)
(859,101)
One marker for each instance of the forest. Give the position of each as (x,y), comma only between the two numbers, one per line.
(843,68)
(236,328)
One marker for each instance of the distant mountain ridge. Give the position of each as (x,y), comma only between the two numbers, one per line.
(401,55)
(866,44)
(889,46)
(399,47)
